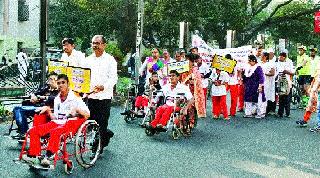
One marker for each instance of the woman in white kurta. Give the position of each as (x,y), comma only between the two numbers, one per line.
(268,67)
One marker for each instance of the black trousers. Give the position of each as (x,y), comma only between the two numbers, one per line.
(284,104)
(100,112)
(271,106)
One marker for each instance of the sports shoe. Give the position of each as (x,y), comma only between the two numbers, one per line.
(259,116)
(47,160)
(302,123)
(227,118)
(316,129)
(31,160)
(240,110)
(248,116)
(215,117)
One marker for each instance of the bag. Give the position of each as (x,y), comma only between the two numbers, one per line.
(283,85)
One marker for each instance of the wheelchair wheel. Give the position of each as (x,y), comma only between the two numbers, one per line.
(175,133)
(150,132)
(129,116)
(88,144)
(68,167)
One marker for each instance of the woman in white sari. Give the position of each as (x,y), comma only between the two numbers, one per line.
(268,67)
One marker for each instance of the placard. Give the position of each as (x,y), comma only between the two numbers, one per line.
(59,67)
(180,67)
(223,63)
(79,79)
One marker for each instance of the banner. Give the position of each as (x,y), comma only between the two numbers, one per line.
(180,67)
(58,67)
(317,22)
(79,79)
(224,64)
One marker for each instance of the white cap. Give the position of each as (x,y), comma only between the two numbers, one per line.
(270,50)
(284,51)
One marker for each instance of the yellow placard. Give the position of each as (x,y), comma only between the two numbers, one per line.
(79,79)
(180,67)
(223,63)
(59,67)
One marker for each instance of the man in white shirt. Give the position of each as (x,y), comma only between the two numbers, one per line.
(23,64)
(171,90)
(73,57)
(285,70)
(103,79)
(65,104)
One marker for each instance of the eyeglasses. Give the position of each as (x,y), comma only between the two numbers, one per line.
(62,82)
(96,43)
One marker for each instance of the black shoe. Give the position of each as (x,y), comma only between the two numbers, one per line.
(240,110)
(160,128)
(280,116)
(316,129)
(302,123)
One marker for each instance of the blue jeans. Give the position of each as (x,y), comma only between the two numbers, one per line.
(20,114)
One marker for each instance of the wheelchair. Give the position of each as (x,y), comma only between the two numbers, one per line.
(155,99)
(86,142)
(178,123)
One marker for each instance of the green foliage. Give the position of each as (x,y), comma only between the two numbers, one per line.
(113,49)
(117,20)
(122,88)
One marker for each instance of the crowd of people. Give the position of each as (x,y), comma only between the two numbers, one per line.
(256,87)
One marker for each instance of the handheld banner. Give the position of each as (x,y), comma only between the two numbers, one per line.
(180,67)
(58,67)
(79,79)
(223,63)
(317,22)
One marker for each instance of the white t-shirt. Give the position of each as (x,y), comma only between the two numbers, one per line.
(64,108)
(75,59)
(204,69)
(223,77)
(233,78)
(286,65)
(170,93)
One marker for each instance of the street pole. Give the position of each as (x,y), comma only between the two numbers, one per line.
(43,38)
(139,39)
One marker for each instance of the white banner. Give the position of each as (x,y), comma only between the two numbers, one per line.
(206,52)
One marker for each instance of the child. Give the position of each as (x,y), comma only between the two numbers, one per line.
(312,104)
(314,92)
(219,93)
(142,101)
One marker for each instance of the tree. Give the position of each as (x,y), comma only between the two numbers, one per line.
(117,20)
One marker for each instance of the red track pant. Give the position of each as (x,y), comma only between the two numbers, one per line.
(55,131)
(219,105)
(141,101)
(163,114)
(39,119)
(234,99)
(307,116)
(241,96)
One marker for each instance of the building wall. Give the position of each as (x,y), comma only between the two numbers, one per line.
(24,32)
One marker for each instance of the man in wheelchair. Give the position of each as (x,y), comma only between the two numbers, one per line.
(65,104)
(43,97)
(164,112)
(141,101)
